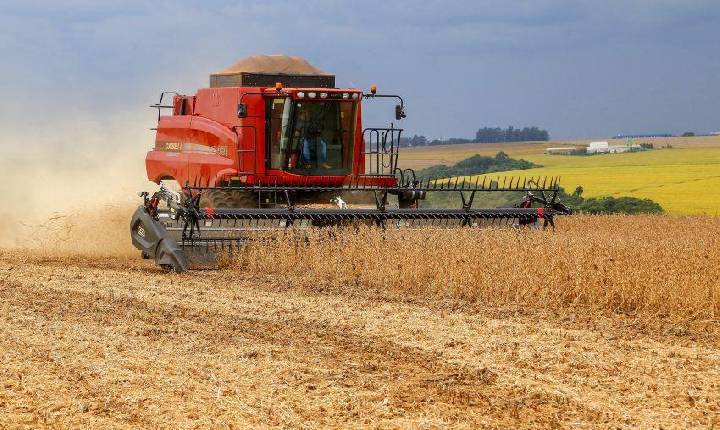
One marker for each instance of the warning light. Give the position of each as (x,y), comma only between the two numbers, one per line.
(373,88)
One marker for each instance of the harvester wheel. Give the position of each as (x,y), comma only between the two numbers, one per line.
(407,203)
(228,199)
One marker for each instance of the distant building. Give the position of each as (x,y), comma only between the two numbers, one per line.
(566,150)
(616,149)
(598,148)
(715,133)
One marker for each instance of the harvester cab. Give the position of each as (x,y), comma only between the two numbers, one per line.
(273,144)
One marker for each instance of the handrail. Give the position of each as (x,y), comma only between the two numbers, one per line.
(159,104)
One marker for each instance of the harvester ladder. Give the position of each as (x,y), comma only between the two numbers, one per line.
(243,169)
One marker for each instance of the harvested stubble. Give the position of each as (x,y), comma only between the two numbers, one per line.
(656,266)
(365,329)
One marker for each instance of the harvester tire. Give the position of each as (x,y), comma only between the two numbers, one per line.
(228,199)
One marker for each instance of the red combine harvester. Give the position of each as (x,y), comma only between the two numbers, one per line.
(273,144)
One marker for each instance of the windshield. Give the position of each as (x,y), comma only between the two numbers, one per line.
(311,137)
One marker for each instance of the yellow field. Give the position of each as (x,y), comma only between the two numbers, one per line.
(684,179)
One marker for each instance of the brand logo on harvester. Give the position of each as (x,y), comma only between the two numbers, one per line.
(173,146)
(140,231)
(190,147)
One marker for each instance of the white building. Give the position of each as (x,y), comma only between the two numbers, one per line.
(598,148)
(617,149)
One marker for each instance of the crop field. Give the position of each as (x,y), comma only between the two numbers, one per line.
(608,322)
(684,179)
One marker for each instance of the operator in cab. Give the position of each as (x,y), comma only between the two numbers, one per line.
(313,146)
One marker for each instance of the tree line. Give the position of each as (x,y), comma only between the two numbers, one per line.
(609,204)
(511,134)
(483,135)
(476,165)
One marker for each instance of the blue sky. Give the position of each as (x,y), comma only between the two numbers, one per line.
(577,68)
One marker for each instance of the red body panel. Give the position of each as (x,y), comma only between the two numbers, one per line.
(204,143)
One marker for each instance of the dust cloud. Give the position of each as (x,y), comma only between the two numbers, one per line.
(70,185)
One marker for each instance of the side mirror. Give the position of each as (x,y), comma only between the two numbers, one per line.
(242,110)
(399,112)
